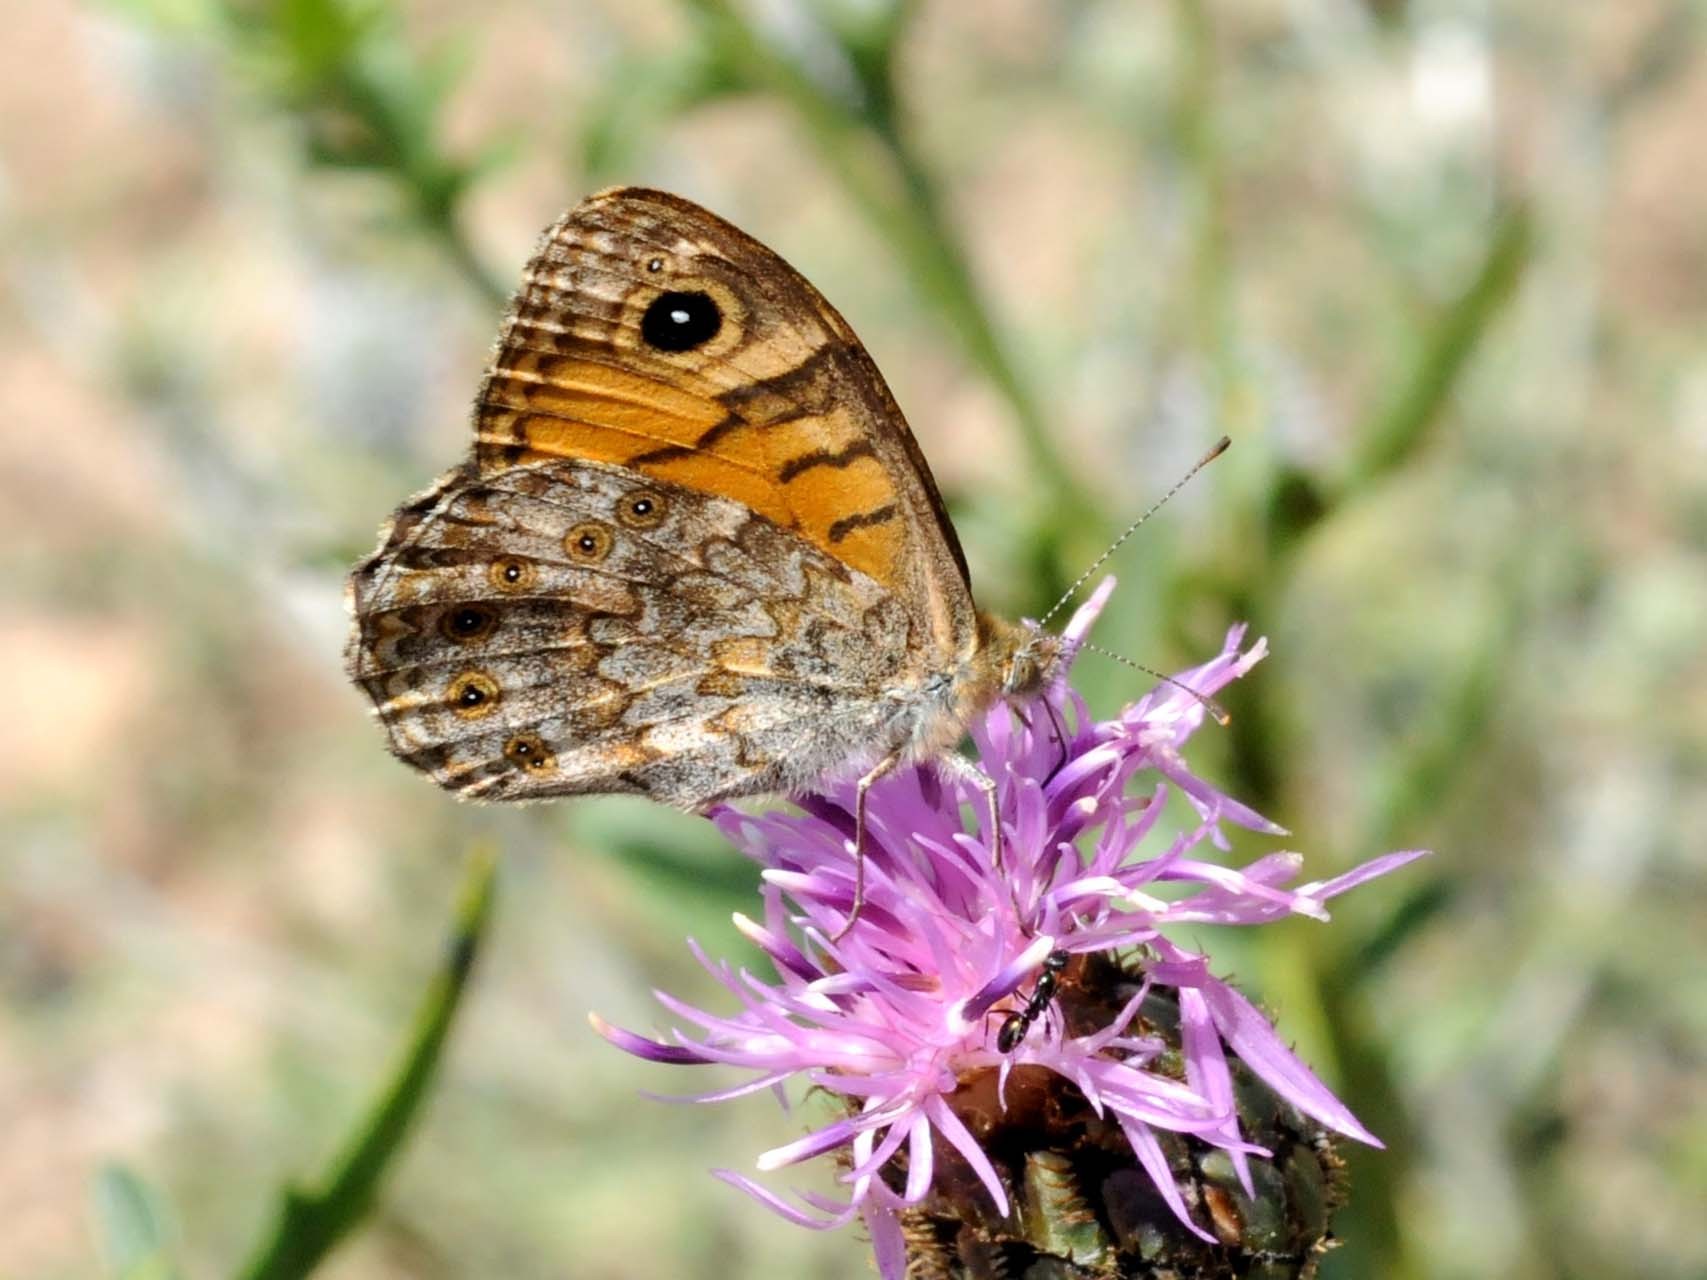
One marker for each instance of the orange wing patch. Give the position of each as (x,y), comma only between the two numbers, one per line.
(685,351)
(584,392)
(541,406)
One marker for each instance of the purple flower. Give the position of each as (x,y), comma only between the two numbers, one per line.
(901,1015)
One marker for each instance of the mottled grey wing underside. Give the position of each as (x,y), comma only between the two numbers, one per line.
(568,627)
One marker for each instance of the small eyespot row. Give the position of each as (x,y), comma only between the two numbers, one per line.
(642,509)
(468,623)
(588,542)
(512,574)
(527,751)
(472,695)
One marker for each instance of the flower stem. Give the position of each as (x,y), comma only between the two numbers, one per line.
(313,1219)
(1398,433)
(871,155)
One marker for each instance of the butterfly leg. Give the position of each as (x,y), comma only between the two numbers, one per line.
(958,768)
(878,770)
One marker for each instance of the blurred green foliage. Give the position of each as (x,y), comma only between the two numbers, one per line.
(1435,265)
(136,1242)
(312,1220)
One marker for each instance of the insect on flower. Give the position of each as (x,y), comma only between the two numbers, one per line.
(1015,1025)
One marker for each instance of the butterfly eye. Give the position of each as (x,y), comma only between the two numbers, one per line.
(473,694)
(512,573)
(680,321)
(642,509)
(588,542)
(468,624)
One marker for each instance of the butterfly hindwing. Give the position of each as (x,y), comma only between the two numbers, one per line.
(563,627)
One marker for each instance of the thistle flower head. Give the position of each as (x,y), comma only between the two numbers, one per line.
(906,1016)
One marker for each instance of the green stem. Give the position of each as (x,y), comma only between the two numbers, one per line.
(1263,726)
(312,1220)
(452,237)
(1210,295)
(1434,767)
(1399,432)
(871,156)
(431,184)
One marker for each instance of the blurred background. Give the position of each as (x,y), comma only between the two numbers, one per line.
(1438,266)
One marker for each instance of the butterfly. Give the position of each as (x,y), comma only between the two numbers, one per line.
(695,552)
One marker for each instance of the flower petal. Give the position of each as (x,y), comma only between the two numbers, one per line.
(641,1047)
(1250,1036)
(825,1139)
(1149,1153)
(781,1207)
(920,1163)
(948,1124)
(888,1245)
(1363,873)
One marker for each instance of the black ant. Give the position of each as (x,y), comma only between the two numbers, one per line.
(1015,1025)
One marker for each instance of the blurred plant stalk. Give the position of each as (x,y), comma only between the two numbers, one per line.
(363,100)
(863,141)
(1279,511)
(314,1218)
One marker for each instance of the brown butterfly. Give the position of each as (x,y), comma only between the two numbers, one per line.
(695,553)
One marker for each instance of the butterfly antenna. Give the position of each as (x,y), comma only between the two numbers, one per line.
(1215,452)
(1214,708)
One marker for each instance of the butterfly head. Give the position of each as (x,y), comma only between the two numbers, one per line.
(1034,663)
(1026,658)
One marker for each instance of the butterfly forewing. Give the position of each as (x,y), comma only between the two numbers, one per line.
(777,406)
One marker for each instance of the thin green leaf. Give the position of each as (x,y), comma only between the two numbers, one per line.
(135,1235)
(1420,907)
(1404,427)
(864,147)
(640,99)
(313,1219)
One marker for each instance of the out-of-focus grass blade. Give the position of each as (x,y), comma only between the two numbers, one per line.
(1443,753)
(623,122)
(691,876)
(313,1219)
(863,146)
(131,1220)
(1400,431)
(1667,50)
(1419,908)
